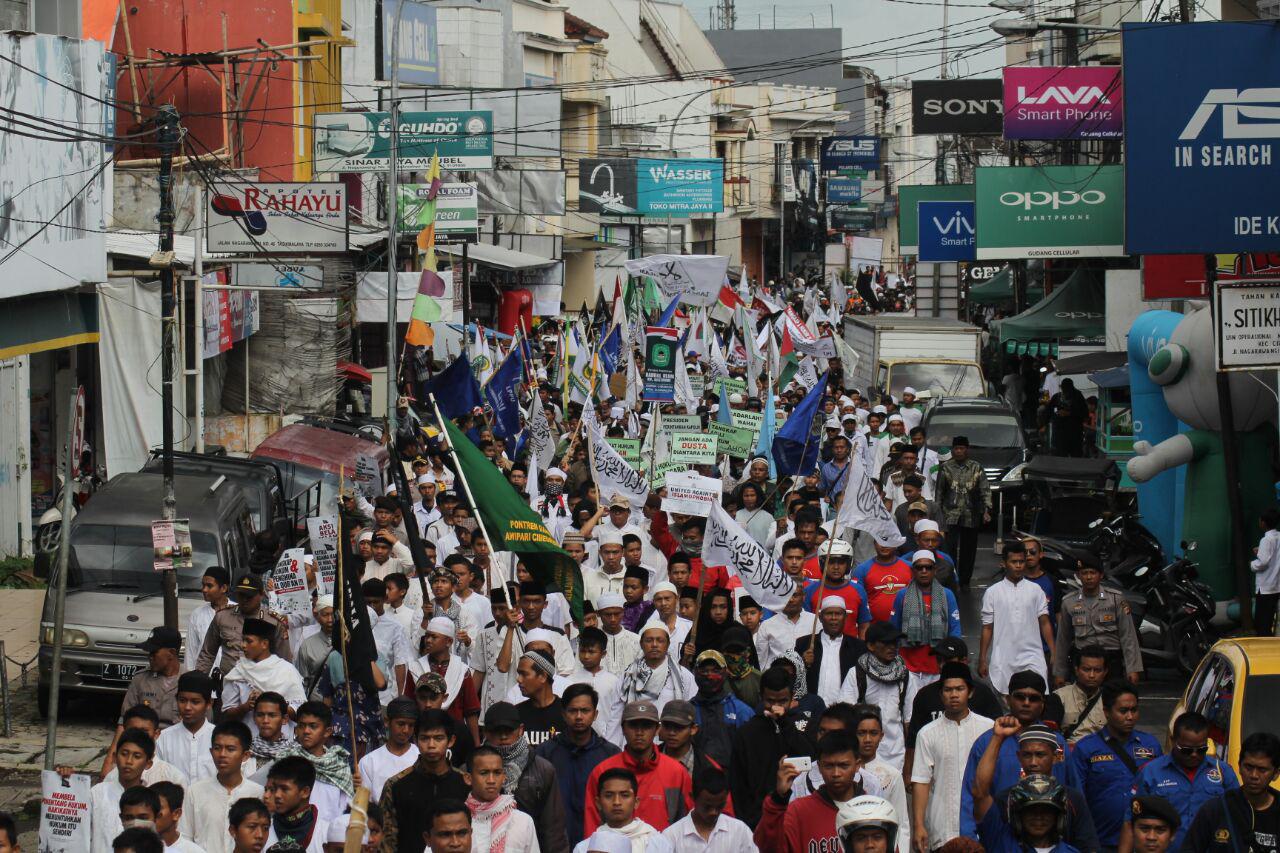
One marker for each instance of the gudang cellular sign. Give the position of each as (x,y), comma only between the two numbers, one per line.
(1063,103)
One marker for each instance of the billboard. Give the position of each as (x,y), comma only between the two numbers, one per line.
(361,142)
(419,49)
(526,122)
(910,196)
(970,107)
(947,231)
(1050,212)
(1201,139)
(1247,336)
(1183,276)
(1075,102)
(843,190)
(256,218)
(631,187)
(849,219)
(841,151)
(456,209)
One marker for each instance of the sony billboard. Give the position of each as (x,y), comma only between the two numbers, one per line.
(971,107)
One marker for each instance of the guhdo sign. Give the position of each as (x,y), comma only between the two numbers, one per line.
(254,218)
(841,151)
(1248,324)
(1050,212)
(361,142)
(947,231)
(1201,138)
(654,187)
(1077,102)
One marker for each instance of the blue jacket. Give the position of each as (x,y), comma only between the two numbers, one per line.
(573,765)
(1106,780)
(715,736)
(1008,772)
(1164,778)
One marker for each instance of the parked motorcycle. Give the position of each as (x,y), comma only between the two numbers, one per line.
(48,528)
(1171,609)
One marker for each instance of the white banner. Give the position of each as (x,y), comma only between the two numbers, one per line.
(613,475)
(727,544)
(322,533)
(696,279)
(862,508)
(65,805)
(289,584)
(541,442)
(690,493)
(807,374)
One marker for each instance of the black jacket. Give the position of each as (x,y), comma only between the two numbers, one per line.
(851,648)
(758,746)
(1224,825)
(538,796)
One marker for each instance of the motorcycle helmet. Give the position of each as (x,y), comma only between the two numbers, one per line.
(866,812)
(1037,790)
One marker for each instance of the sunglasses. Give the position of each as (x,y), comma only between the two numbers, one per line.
(1192,750)
(1027,697)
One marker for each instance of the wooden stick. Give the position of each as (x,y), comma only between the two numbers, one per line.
(133,68)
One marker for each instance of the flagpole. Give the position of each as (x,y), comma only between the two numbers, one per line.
(343,642)
(466,487)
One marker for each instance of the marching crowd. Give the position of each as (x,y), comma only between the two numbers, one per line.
(677,712)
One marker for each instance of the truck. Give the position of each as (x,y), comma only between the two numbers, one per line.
(896,351)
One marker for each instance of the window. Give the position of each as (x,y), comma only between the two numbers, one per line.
(1214,697)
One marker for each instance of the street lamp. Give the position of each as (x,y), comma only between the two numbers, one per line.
(1011,5)
(1024,27)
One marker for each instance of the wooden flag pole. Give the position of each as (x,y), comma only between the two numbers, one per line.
(343,637)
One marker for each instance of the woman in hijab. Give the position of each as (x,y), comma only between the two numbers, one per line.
(808,704)
(714,619)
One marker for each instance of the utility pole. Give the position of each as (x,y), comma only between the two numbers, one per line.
(393,202)
(168,137)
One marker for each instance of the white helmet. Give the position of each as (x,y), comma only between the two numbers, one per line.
(836,548)
(866,812)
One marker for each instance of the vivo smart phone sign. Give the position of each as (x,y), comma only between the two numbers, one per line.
(1075,102)
(1202,140)
(948,231)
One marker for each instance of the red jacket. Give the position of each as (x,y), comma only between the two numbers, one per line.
(665,794)
(660,532)
(805,825)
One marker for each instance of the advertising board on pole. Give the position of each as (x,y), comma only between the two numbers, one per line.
(947,231)
(643,186)
(1050,212)
(1247,336)
(457,209)
(260,218)
(1075,102)
(909,198)
(419,49)
(841,151)
(968,107)
(361,142)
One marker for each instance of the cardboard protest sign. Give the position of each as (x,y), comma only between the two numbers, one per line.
(691,493)
(65,806)
(693,448)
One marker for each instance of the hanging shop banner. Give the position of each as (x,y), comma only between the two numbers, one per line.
(643,186)
(1202,142)
(253,218)
(1050,212)
(457,209)
(361,142)
(841,151)
(843,190)
(970,107)
(230,316)
(418,51)
(947,231)
(696,279)
(909,198)
(278,275)
(693,448)
(1248,332)
(660,364)
(1075,102)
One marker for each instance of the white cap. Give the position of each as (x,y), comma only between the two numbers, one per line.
(540,635)
(616,411)
(609,600)
(428,477)
(655,626)
(923,554)
(338,830)
(609,537)
(666,586)
(848,417)
(880,410)
(833,602)
(365,536)
(735,399)
(555,472)
(924,525)
(897,418)
(324,602)
(608,841)
(391,488)
(835,548)
(888,541)
(908,390)
(443,626)
(833,423)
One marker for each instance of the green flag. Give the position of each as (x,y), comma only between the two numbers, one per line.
(512,524)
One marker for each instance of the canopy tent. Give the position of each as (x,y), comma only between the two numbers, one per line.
(1076,310)
(1044,349)
(998,290)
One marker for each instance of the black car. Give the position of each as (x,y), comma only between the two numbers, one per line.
(996,439)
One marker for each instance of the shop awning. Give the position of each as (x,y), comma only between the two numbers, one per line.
(998,290)
(1076,310)
(48,321)
(498,256)
(1090,362)
(1044,349)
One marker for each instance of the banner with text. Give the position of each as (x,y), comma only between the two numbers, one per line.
(727,544)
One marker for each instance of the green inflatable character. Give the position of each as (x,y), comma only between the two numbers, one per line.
(1184,368)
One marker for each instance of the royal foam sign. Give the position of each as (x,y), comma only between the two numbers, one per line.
(1077,102)
(257,218)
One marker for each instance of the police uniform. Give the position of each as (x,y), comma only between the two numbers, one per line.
(226,632)
(158,692)
(1097,620)
(1162,777)
(1105,768)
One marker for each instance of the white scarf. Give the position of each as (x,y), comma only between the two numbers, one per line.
(271,674)
(454,673)
(639,832)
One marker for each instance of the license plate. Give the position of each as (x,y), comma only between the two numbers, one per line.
(121,671)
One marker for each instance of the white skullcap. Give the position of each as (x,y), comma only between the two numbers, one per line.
(428,477)
(608,841)
(908,390)
(324,602)
(666,586)
(443,626)
(888,541)
(308,559)
(391,488)
(897,418)
(833,423)
(849,417)
(923,555)
(655,626)
(735,399)
(338,830)
(833,602)
(609,537)
(925,524)
(880,410)
(608,600)
(540,635)
(846,400)
(555,472)
(365,536)
(617,412)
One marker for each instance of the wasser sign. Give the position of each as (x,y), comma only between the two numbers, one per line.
(1050,212)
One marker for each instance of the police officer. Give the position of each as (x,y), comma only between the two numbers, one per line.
(1247,819)
(1105,763)
(157,685)
(1096,616)
(226,631)
(1155,822)
(1188,777)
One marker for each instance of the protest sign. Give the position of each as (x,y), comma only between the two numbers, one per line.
(368,477)
(660,363)
(65,806)
(727,544)
(693,448)
(681,423)
(691,493)
(749,420)
(698,383)
(322,531)
(660,471)
(628,449)
(289,580)
(736,441)
(734,386)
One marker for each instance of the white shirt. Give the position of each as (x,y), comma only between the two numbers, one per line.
(480,609)
(829,667)
(942,750)
(596,582)
(522,837)
(484,660)
(159,771)
(188,752)
(729,835)
(205,809)
(393,648)
(380,765)
(185,846)
(1266,566)
(892,790)
(425,517)
(104,819)
(1015,636)
(622,650)
(197,626)
(318,835)
(643,837)
(666,690)
(331,802)
(778,634)
(895,713)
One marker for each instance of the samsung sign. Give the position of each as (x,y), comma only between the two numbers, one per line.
(1201,138)
(972,107)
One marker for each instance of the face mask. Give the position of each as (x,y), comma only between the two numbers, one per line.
(709,682)
(552,490)
(737,665)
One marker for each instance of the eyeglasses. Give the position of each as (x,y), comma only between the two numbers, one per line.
(1027,697)
(1192,750)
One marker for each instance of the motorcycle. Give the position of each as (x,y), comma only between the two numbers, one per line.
(48,528)
(1171,610)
